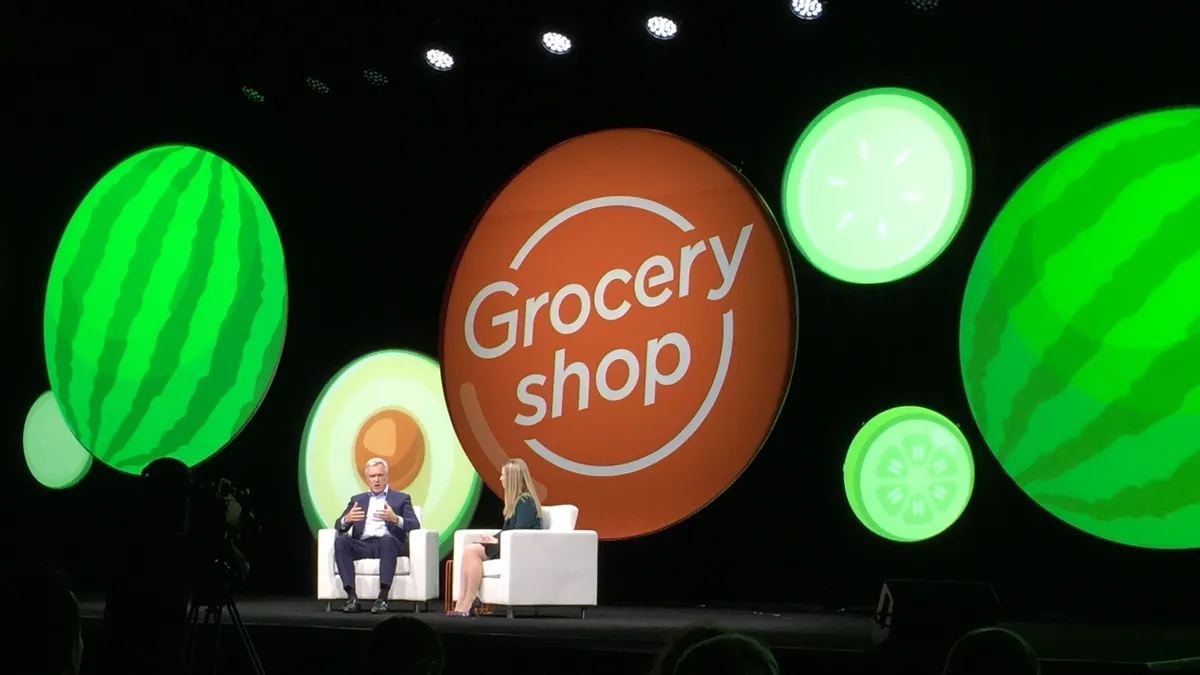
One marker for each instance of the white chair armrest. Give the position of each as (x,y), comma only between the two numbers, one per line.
(462,539)
(423,561)
(325,566)
(551,567)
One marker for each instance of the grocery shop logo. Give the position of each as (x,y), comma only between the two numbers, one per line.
(589,329)
(654,272)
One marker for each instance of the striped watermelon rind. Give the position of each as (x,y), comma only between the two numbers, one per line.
(1080,332)
(166,309)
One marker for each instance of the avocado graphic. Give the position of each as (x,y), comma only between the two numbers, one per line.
(387,404)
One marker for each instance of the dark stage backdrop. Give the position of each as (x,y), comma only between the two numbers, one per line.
(373,189)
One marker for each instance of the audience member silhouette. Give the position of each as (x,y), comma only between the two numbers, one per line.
(727,655)
(991,651)
(402,645)
(46,639)
(690,637)
(149,585)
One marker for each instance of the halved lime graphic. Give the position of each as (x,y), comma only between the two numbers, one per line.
(877,186)
(909,474)
(52,453)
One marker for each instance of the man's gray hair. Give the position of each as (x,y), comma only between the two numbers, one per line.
(376,461)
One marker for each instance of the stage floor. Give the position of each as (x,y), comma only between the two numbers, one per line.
(646,629)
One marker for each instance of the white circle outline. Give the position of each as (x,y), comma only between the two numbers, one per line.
(714,390)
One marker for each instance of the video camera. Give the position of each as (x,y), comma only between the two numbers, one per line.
(221,528)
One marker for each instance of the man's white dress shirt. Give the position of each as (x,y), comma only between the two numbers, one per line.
(374,525)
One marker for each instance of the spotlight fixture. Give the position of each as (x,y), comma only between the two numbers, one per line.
(661,27)
(375,77)
(317,85)
(439,60)
(556,43)
(923,6)
(252,95)
(808,9)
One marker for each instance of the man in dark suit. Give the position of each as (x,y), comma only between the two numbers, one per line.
(378,523)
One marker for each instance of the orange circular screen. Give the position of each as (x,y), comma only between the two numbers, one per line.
(623,318)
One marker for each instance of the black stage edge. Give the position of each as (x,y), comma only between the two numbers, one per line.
(293,633)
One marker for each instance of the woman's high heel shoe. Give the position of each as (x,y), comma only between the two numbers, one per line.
(458,614)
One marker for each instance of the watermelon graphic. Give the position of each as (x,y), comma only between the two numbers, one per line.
(166,309)
(1080,333)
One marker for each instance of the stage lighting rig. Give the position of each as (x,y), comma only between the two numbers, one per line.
(924,6)
(559,25)
(661,27)
(253,95)
(445,38)
(317,86)
(808,10)
(556,43)
(375,78)
(439,60)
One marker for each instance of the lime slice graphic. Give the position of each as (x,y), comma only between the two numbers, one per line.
(54,456)
(909,474)
(877,186)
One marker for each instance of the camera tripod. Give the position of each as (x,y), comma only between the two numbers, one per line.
(214,609)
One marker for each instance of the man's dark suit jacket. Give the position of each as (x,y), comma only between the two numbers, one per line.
(400,502)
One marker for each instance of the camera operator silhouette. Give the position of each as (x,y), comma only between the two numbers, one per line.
(168,538)
(375,525)
(151,576)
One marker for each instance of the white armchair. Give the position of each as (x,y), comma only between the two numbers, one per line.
(552,567)
(416,577)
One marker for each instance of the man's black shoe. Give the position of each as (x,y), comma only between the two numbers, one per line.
(351,606)
(380,607)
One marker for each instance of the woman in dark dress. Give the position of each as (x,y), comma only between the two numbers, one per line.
(522,511)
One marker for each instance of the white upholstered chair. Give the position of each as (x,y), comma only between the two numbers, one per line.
(416,577)
(552,567)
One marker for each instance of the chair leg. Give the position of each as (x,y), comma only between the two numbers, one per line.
(583,612)
(509,613)
(328,605)
(417,607)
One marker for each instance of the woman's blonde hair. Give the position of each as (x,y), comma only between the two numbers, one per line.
(518,482)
